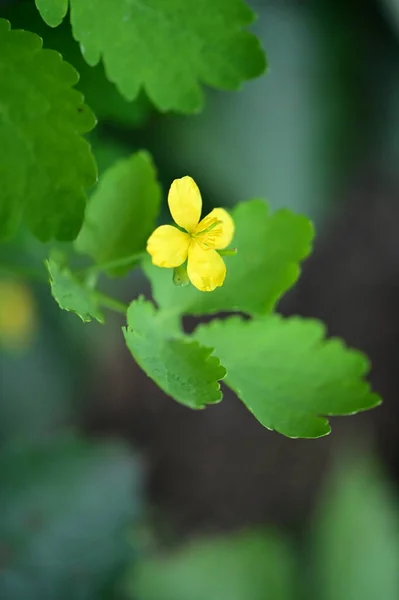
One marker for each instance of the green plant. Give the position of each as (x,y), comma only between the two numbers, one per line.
(290,376)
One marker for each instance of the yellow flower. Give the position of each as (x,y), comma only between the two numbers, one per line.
(170,247)
(18,315)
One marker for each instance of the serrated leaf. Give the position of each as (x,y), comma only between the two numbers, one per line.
(168,48)
(71,294)
(269,248)
(287,374)
(47,165)
(122,211)
(182,368)
(100,94)
(250,565)
(356,534)
(66,508)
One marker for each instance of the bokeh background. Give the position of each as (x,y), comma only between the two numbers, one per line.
(109,490)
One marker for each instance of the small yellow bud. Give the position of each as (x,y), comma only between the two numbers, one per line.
(180,276)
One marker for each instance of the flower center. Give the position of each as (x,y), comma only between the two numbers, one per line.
(211,230)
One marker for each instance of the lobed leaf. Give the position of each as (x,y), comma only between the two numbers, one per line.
(47,164)
(166,48)
(100,94)
(71,294)
(287,374)
(355,535)
(182,368)
(237,566)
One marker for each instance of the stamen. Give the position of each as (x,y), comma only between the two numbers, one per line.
(208,229)
(207,237)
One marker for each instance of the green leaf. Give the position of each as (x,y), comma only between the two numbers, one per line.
(71,294)
(122,211)
(182,368)
(100,94)
(356,535)
(243,566)
(167,48)
(47,165)
(269,246)
(66,510)
(52,12)
(287,374)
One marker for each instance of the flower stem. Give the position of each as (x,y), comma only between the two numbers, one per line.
(114,264)
(110,303)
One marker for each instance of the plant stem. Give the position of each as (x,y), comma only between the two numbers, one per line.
(114,264)
(110,303)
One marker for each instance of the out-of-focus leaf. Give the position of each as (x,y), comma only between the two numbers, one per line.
(287,374)
(122,212)
(244,566)
(100,94)
(47,165)
(167,48)
(293,136)
(71,294)
(356,536)
(183,368)
(53,12)
(269,250)
(66,510)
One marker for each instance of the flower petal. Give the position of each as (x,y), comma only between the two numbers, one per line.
(205,268)
(168,246)
(223,238)
(185,203)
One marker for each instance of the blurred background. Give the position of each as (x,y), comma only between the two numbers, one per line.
(109,490)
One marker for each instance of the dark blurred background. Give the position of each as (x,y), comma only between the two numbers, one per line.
(109,489)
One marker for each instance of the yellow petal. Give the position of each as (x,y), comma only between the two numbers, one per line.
(185,203)
(205,268)
(168,246)
(223,233)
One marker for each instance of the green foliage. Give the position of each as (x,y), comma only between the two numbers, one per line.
(269,246)
(100,94)
(122,211)
(71,294)
(282,369)
(287,375)
(249,565)
(182,368)
(351,554)
(47,165)
(356,535)
(66,508)
(167,48)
